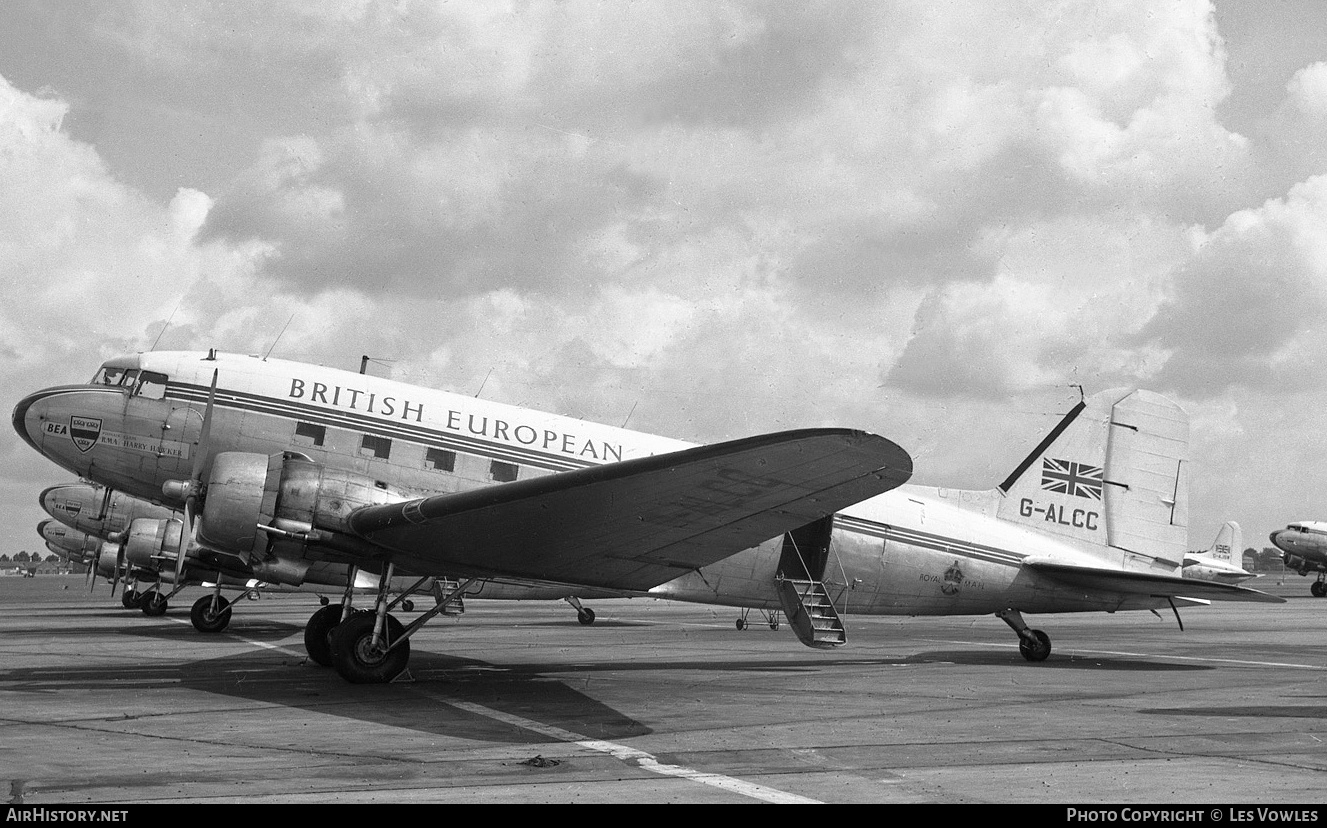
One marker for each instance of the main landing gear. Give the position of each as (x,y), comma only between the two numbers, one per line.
(371,646)
(1318,588)
(771,618)
(1035,645)
(584,614)
(211,613)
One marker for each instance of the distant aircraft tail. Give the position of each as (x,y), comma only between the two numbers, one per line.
(1229,542)
(1113,473)
(1223,560)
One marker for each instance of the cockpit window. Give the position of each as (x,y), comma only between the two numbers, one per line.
(151,385)
(109,376)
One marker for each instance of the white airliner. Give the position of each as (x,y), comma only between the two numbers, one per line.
(283,463)
(1217,563)
(1303,546)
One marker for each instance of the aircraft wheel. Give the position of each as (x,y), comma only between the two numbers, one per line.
(774,623)
(153,604)
(131,599)
(1318,588)
(318,634)
(585,616)
(741,623)
(322,600)
(408,605)
(1035,650)
(355,657)
(205,620)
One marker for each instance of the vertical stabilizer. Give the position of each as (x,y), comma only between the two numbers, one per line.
(1229,543)
(1112,474)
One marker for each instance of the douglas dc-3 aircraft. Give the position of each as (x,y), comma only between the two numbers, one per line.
(1303,546)
(276,461)
(92,525)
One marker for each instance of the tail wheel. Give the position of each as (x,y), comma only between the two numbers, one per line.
(1035,648)
(356,658)
(209,620)
(585,616)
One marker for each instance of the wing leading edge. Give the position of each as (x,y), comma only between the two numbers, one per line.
(1147,584)
(640,523)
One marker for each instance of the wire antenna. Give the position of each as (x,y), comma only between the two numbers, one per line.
(278,337)
(161,332)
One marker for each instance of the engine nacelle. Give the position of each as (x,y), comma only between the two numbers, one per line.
(153,542)
(290,493)
(241,493)
(1295,562)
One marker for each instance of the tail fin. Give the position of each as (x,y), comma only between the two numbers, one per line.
(1112,473)
(1229,542)
(1223,560)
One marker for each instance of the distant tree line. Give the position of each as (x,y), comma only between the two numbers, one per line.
(29,557)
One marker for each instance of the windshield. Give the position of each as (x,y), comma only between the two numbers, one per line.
(148,384)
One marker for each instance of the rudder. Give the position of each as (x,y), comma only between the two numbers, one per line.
(1111,474)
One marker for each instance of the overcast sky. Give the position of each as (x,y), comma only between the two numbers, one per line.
(706,220)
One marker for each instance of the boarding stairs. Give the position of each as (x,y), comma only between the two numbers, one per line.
(811,613)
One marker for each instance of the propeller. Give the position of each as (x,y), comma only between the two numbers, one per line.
(195,485)
(119,561)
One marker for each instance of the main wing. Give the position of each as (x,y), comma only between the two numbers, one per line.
(639,523)
(1147,584)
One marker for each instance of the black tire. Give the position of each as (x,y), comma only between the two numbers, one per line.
(318,634)
(153,604)
(131,599)
(207,621)
(1037,650)
(741,624)
(585,616)
(1318,588)
(353,654)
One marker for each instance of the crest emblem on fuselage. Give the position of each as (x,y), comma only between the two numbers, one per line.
(84,431)
(953,580)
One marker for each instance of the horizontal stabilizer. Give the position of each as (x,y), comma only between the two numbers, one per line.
(1146,583)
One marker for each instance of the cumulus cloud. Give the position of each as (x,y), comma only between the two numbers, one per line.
(714,218)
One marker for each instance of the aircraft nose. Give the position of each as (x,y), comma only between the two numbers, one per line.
(47,498)
(26,421)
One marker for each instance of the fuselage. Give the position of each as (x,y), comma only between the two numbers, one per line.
(916,550)
(1304,544)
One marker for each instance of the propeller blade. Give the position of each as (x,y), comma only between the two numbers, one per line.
(119,569)
(196,483)
(205,436)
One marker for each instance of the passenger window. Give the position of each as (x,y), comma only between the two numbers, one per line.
(379,447)
(151,385)
(503,472)
(308,434)
(440,459)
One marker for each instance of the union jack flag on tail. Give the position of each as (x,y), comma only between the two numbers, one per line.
(1065,477)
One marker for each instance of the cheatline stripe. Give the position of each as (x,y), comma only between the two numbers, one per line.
(926,540)
(377,427)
